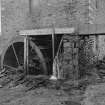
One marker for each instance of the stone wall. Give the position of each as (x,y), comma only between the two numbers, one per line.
(100,19)
(21,15)
(15,17)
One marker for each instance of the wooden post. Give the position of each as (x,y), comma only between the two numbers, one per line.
(97,50)
(54,76)
(53,45)
(77,58)
(26,54)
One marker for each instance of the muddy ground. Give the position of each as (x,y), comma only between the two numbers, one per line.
(40,96)
(54,93)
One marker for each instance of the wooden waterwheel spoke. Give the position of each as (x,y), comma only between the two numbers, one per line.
(10,67)
(15,55)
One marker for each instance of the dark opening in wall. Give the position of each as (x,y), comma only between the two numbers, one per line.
(10,57)
(44,43)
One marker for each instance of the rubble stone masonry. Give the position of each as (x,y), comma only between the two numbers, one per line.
(22,14)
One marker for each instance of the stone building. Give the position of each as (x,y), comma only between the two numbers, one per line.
(33,14)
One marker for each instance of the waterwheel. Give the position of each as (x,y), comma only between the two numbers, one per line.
(13,56)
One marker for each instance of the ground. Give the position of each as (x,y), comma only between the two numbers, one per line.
(40,90)
(65,95)
(95,95)
(40,96)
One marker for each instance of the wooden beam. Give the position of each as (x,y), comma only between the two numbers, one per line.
(91,29)
(97,46)
(47,31)
(82,29)
(26,54)
(53,43)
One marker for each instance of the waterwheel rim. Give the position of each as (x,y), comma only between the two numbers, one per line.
(12,45)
